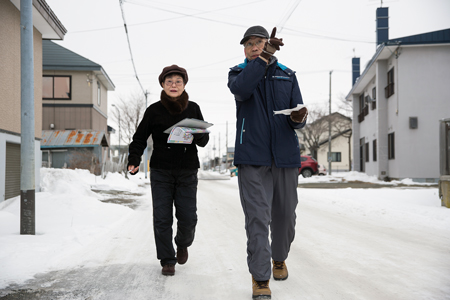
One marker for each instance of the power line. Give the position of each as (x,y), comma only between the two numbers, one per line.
(129,45)
(312,35)
(290,11)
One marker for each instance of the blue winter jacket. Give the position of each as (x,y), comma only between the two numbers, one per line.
(259,89)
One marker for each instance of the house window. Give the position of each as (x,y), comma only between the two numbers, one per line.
(56,87)
(374,150)
(366,148)
(366,107)
(374,98)
(389,90)
(99,95)
(362,107)
(361,103)
(361,154)
(391,145)
(335,156)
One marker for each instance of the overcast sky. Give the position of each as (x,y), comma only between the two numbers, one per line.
(203,37)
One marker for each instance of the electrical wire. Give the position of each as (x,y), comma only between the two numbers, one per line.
(283,21)
(129,46)
(312,35)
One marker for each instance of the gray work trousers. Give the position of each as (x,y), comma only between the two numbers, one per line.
(269,199)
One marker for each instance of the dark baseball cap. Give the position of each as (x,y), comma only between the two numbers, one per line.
(173,69)
(255,31)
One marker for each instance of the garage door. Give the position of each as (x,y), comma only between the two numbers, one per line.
(12,171)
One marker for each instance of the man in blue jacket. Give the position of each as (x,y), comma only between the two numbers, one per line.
(267,154)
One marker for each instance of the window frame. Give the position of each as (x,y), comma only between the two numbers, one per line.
(53,87)
(366,149)
(99,93)
(335,156)
(374,98)
(374,150)
(391,145)
(389,89)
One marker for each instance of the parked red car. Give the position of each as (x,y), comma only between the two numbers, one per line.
(309,167)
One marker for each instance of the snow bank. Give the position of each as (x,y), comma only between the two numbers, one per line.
(357,176)
(68,216)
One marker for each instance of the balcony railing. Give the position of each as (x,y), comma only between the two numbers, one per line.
(366,110)
(361,117)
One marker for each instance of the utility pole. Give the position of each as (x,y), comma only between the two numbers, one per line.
(27,158)
(214,154)
(146,144)
(226,148)
(220,158)
(329,130)
(118,112)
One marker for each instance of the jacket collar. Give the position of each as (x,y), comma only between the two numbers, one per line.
(273,60)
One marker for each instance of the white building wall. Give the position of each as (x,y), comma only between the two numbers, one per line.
(356,135)
(423,92)
(382,120)
(339,144)
(392,118)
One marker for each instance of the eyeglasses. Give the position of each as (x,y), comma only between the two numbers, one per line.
(170,82)
(259,43)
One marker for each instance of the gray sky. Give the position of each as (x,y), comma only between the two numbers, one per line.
(203,37)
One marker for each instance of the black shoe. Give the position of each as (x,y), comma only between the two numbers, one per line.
(168,270)
(182,255)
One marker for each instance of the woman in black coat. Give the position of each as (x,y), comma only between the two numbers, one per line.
(173,167)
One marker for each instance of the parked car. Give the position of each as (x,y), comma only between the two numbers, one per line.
(233,171)
(309,166)
(322,170)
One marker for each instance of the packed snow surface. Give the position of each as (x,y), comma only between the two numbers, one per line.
(385,243)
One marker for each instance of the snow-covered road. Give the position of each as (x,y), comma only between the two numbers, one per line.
(350,244)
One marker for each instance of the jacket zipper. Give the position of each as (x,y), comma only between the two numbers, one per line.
(242,129)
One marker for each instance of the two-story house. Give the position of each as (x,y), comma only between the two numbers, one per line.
(46,26)
(341,144)
(313,140)
(398,101)
(74,99)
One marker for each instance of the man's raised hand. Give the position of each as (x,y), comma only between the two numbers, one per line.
(272,45)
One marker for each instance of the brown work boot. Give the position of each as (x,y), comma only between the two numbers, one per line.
(168,270)
(261,289)
(182,255)
(279,270)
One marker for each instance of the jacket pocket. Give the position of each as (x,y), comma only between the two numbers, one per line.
(282,86)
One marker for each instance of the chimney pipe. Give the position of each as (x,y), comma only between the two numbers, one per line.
(382,25)
(355,69)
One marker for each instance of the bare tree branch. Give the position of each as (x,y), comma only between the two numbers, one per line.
(345,107)
(131,110)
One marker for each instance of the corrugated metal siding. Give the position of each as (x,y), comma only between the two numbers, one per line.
(12,171)
(72,138)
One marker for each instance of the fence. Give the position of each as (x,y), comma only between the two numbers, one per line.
(110,166)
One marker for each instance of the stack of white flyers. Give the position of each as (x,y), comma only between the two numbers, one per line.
(191,123)
(182,132)
(184,135)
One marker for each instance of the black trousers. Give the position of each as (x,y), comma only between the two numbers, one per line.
(173,188)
